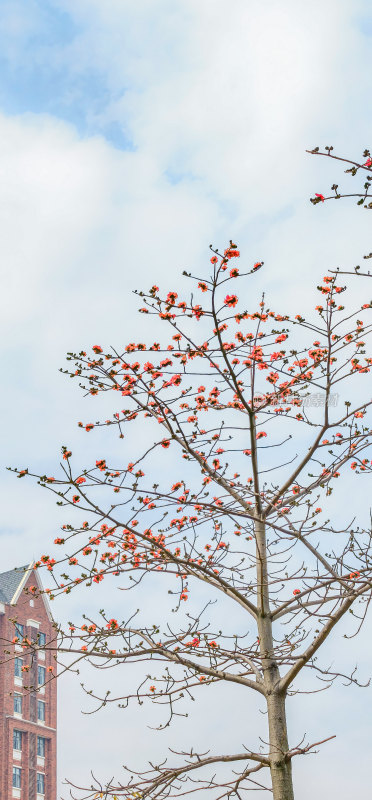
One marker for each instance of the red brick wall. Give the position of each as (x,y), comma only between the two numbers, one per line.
(23,612)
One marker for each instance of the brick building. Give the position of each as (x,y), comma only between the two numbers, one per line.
(28,716)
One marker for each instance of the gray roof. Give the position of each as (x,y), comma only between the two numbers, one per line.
(9,582)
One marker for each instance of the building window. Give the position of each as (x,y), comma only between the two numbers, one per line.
(17,703)
(40,783)
(42,639)
(18,667)
(41,710)
(19,630)
(32,603)
(16,777)
(41,746)
(17,740)
(40,676)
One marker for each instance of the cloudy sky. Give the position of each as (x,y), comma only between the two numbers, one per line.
(134,134)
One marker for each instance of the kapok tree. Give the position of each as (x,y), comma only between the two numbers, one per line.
(235,431)
(363,194)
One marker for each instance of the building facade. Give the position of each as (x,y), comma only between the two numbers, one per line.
(28,691)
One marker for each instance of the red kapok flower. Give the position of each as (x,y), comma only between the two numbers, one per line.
(112,625)
(231,300)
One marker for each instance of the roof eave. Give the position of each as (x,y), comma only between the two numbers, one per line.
(22,584)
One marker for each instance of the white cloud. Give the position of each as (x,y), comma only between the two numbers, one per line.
(231,94)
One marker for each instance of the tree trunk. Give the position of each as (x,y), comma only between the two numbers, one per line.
(280,767)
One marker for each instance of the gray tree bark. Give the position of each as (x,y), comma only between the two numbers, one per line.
(280,764)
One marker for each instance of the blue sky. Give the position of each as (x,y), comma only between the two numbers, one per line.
(37,76)
(132,135)
(41,72)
